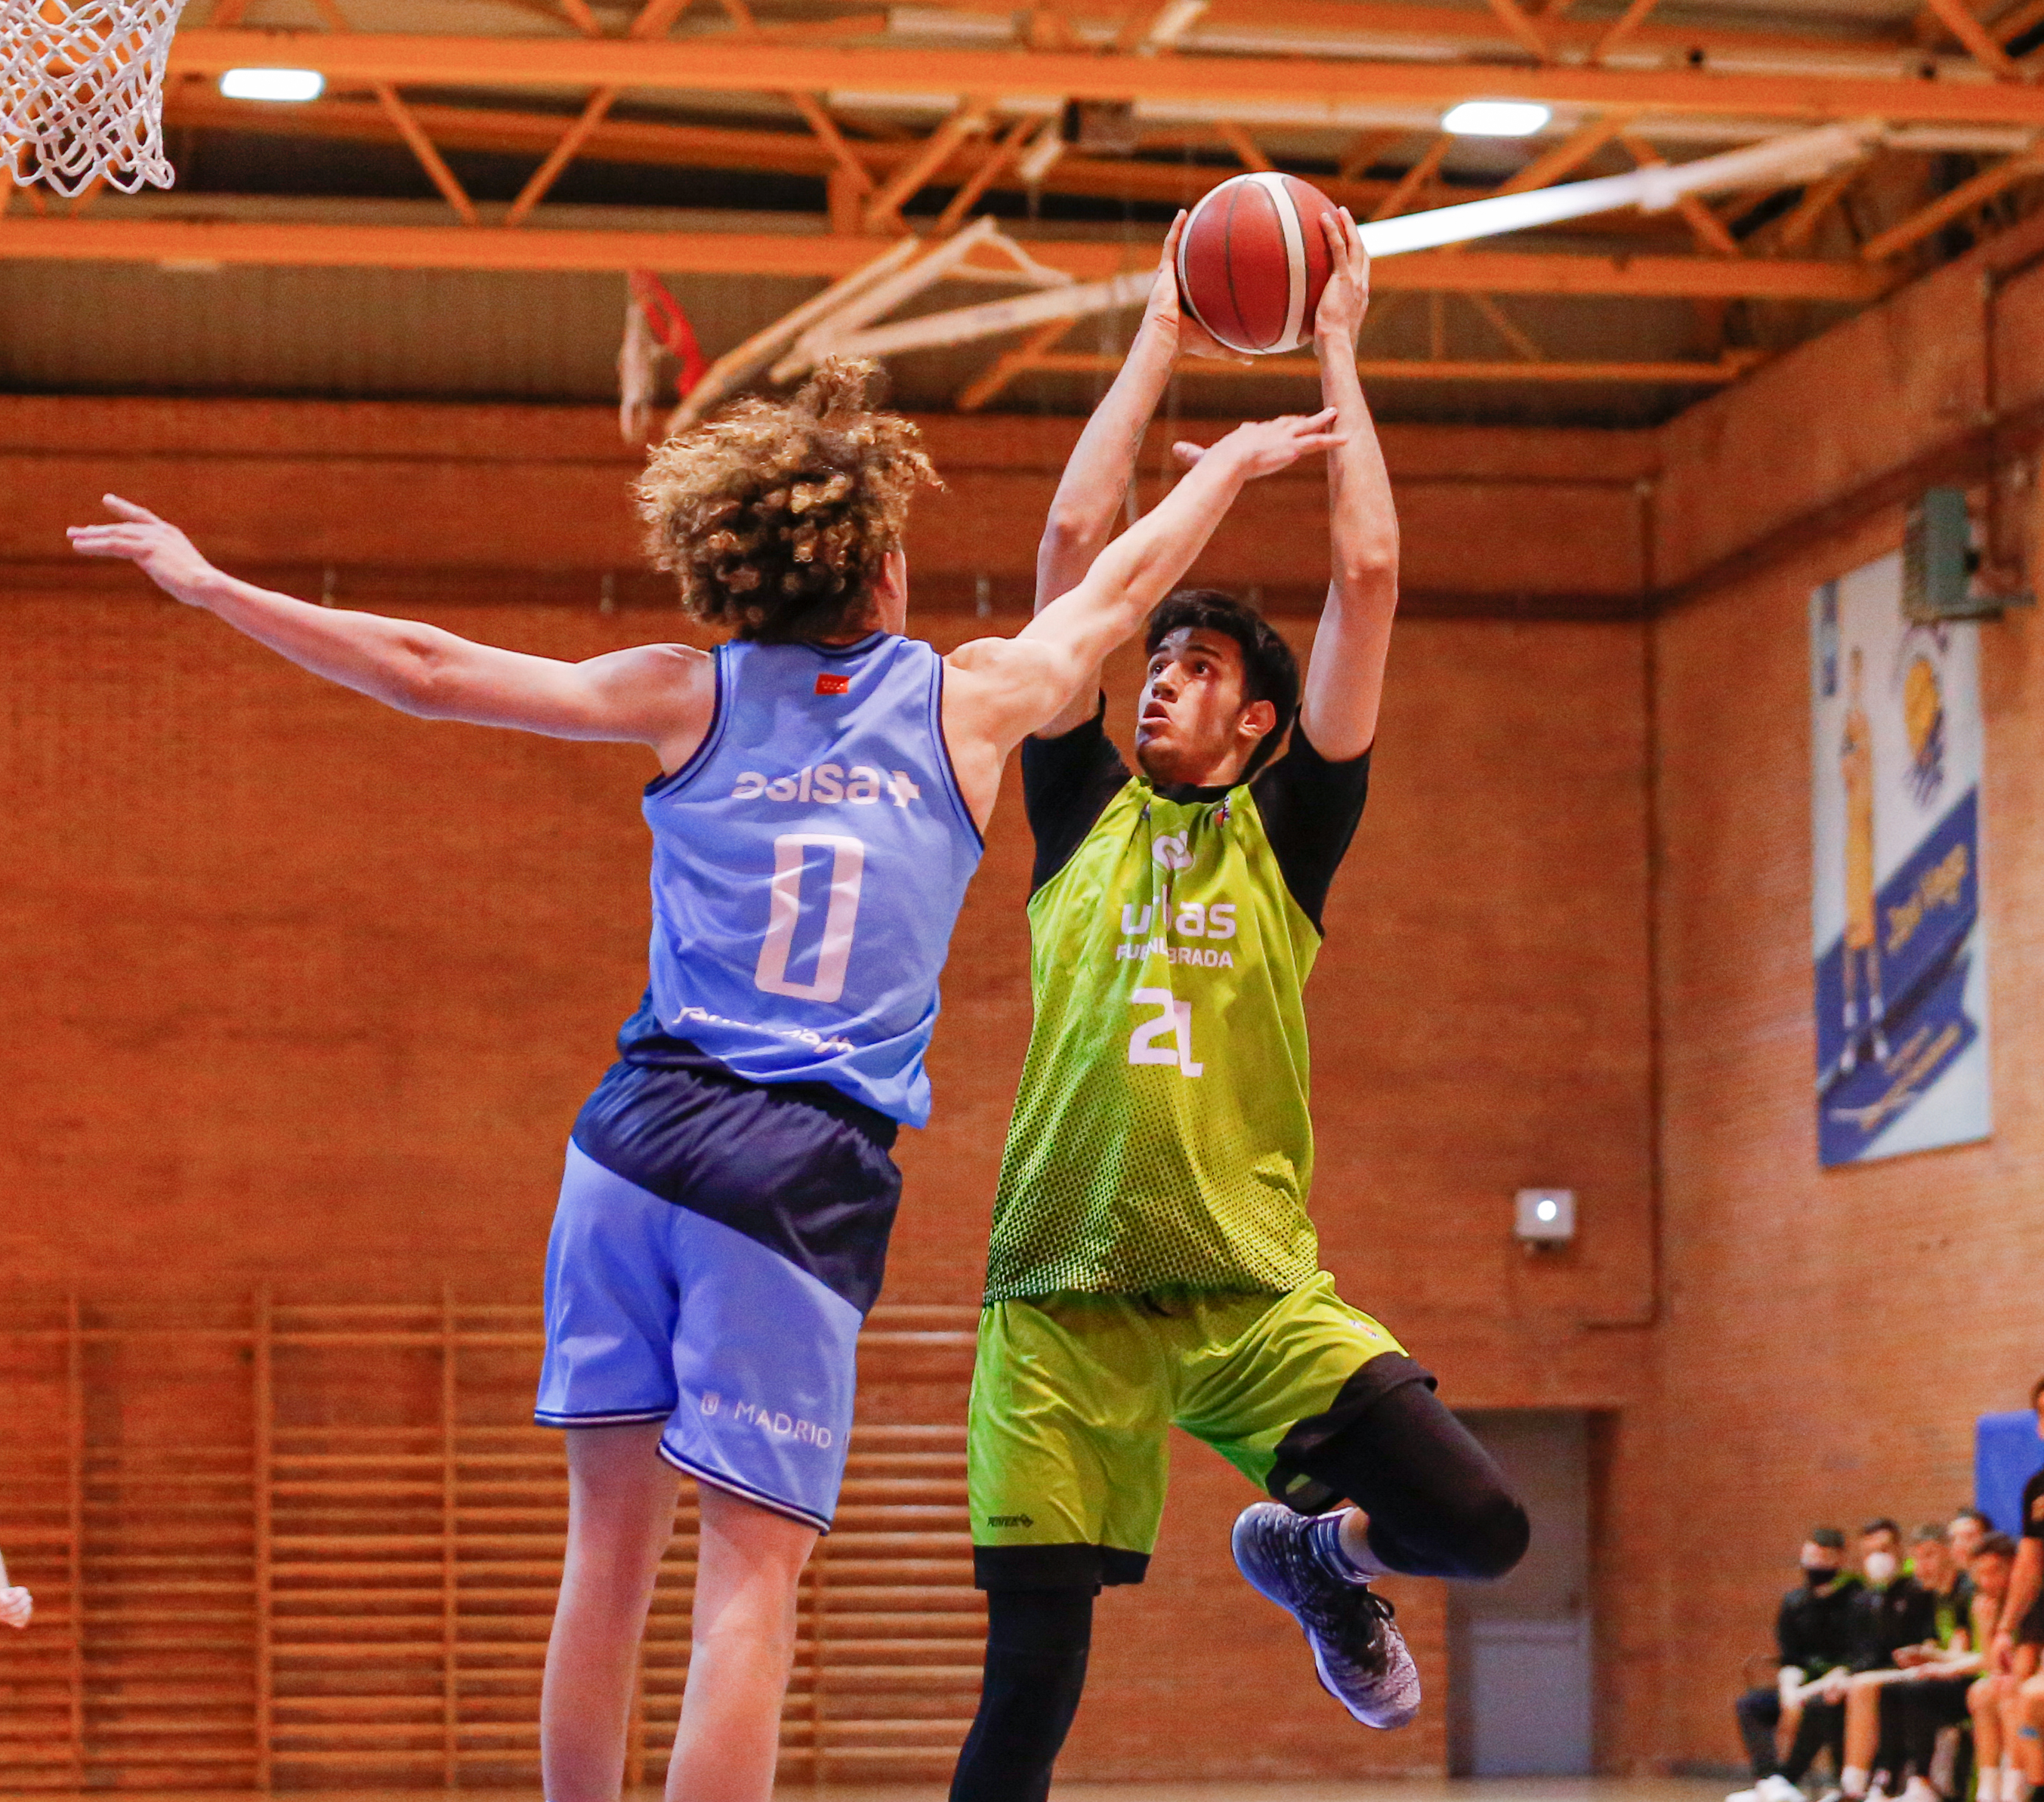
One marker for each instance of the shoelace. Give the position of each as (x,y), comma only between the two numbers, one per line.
(1359,1636)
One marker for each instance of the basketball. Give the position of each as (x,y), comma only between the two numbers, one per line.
(1252,262)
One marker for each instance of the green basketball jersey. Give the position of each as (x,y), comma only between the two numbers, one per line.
(1161,1137)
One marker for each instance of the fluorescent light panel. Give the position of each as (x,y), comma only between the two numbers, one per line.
(1495,118)
(273,84)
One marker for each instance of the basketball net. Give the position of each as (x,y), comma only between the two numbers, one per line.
(82,92)
(654,327)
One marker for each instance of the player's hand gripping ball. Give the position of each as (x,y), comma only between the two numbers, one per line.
(1253,260)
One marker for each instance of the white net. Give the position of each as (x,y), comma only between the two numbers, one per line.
(81,91)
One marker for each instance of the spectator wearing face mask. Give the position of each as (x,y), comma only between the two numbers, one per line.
(1816,1634)
(1935,1675)
(1893,1610)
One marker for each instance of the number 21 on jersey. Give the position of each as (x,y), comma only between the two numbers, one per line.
(1175,1021)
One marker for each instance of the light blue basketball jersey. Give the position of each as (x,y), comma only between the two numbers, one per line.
(808,865)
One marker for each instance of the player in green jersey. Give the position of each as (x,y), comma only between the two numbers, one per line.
(1152,1261)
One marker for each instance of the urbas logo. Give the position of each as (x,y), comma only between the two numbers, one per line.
(1169,850)
(829,684)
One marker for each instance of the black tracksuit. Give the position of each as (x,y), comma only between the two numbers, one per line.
(1815,1630)
(1904,1614)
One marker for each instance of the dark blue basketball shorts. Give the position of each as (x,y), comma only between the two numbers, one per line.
(716,1247)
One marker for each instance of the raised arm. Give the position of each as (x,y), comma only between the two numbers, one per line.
(1011,687)
(660,695)
(1095,485)
(1345,675)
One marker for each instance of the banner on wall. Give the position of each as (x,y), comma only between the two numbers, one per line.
(1901,959)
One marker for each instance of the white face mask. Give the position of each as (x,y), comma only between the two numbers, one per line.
(1880,1568)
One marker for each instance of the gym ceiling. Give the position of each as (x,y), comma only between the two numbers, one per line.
(750,151)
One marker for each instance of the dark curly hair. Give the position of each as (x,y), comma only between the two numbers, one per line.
(777,516)
(1270,671)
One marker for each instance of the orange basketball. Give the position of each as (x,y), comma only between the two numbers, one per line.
(1253,261)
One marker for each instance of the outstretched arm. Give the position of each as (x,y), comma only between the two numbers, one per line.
(1345,675)
(1095,484)
(661,695)
(1017,685)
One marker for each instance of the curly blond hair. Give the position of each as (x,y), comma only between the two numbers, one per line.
(776,516)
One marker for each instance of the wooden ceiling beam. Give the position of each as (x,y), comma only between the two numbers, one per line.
(1521,340)
(823,256)
(1626,24)
(1793,234)
(1513,17)
(502,131)
(2018,20)
(987,386)
(1728,368)
(1242,146)
(1564,158)
(1479,27)
(424,148)
(415,135)
(1982,44)
(569,145)
(1912,231)
(716,147)
(703,65)
(1406,190)
(1364,149)
(826,132)
(995,164)
(1711,232)
(883,211)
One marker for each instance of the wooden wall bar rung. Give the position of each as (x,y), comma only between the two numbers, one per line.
(350,1565)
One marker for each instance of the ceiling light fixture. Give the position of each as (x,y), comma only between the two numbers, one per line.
(273,84)
(1495,118)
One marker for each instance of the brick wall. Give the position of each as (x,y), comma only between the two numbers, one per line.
(1829,1336)
(304,990)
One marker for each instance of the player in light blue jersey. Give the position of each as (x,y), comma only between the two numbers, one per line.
(724,1213)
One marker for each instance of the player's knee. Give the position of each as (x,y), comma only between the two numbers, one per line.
(1478,1534)
(1493,1535)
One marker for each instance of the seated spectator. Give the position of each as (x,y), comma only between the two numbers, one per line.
(1816,1635)
(1993,1561)
(1969,1526)
(1935,1675)
(17,1605)
(1894,1611)
(2019,1634)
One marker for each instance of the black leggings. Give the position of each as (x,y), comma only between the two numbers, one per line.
(1438,1507)
(1912,1715)
(1821,1728)
(1037,1641)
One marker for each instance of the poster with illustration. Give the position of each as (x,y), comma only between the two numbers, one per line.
(1901,958)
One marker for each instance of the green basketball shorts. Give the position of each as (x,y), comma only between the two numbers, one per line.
(1073,1396)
